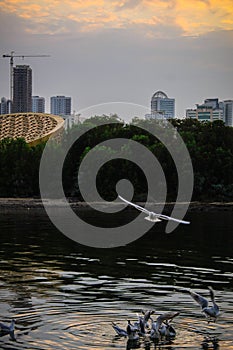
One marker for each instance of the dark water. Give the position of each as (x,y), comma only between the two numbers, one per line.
(65,296)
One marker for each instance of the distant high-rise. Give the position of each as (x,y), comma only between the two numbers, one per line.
(38,104)
(228,112)
(162,107)
(5,106)
(60,105)
(22,89)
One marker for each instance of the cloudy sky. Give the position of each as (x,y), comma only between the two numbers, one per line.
(122,50)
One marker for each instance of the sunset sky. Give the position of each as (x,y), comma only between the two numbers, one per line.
(104,51)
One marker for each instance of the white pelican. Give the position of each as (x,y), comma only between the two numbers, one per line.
(153,216)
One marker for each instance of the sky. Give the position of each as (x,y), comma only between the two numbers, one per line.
(122,51)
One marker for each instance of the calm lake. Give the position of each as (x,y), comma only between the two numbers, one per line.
(64,295)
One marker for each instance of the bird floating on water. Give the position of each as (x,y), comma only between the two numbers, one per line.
(159,328)
(211,312)
(152,216)
(147,314)
(142,322)
(162,327)
(131,331)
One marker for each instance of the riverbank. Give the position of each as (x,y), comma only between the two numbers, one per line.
(32,203)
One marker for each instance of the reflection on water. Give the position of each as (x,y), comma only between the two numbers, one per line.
(65,296)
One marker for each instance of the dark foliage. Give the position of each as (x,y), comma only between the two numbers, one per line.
(210,146)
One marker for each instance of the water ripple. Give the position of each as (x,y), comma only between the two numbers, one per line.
(64,296)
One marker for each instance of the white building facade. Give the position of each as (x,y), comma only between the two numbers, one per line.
(205,114)
(209,111)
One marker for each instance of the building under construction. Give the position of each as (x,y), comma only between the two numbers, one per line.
(22,89)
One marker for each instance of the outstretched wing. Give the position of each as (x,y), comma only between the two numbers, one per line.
(167,316)
(203,302)
(4,327)
(147,314)
(211,294)
(160,216)
(165,217)
(135,205)
(119,330)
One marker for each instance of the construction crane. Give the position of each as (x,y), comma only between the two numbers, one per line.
(11,56)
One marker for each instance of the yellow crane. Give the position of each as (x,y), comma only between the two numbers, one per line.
(11,56)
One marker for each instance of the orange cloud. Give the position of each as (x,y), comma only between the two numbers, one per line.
(193,17)
(201,16)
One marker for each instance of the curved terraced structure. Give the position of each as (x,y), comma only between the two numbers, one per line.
(33,127)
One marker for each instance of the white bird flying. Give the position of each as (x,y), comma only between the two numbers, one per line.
(211,312)
(154,217)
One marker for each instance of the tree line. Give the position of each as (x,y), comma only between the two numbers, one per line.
(210,146)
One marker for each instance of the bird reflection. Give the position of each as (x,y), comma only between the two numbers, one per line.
(133,344)
(210,343)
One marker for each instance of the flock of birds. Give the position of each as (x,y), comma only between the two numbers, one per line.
(158,329)
(162,327)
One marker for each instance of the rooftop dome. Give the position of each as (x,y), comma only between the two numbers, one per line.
(33,127)
(159,94)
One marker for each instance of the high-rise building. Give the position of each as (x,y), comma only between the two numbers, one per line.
(38,104)
(5,106)
(22,89)
(228,112)
(162,107)
(60,105)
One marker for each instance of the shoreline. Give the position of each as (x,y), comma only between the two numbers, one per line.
(32,203)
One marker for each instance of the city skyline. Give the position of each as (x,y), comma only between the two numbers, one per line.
(122,50)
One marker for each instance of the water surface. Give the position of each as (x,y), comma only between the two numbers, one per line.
(65,296)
